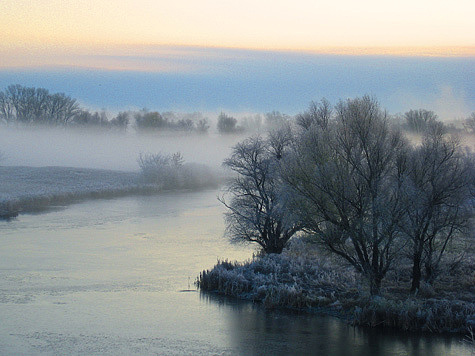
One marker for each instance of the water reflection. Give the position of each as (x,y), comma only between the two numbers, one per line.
(258,331)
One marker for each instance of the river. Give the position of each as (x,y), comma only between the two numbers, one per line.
(115,277)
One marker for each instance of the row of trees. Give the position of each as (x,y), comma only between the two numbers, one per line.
(149,121)
(36,105)
(353,181)
(33,106)
(29,105)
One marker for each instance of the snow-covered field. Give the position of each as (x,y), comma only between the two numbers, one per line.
(24,189)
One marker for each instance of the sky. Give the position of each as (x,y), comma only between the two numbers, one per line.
(261,24)
(242,55)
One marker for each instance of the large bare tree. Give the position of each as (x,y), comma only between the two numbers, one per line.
(348,176)
(258,206)
(36,106)
(438,201)
(318,113)
(419,120)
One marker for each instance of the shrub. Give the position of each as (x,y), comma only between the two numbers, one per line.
(162,169)
(168,171)
(288,279)
(413,314)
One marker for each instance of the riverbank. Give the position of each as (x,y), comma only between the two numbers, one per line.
(32,189)
(302,278)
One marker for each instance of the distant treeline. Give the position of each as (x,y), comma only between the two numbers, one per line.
(20,105)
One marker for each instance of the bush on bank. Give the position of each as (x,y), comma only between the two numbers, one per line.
(299,278)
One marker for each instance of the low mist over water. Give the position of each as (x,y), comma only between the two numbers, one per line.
(38,147)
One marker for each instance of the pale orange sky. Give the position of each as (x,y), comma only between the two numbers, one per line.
(427,27)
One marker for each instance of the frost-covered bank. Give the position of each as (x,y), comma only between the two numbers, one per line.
(301,278)
(27,189)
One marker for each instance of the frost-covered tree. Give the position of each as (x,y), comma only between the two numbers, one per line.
(419,120)
(7,110)
(469,123)
(276,119)
(258,206)
(164,170)
(121,121)
(437,201)
(202,126)
(87,118)
(318,113)
(227,124)
(347,175)
(36,106)
(145,120)
(279,140)
(61,109)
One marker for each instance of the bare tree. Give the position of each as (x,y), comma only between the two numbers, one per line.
(121,121)
(29,103)
(419,120)
(60,108)
(438,201)
(145,120)
(317,114)
(165,170)
(36,106)
(258,209)
(202,126)
(348,179)
(227,124)
(86,118)
(469,123)
(275,119)
(279,140)
(7,110)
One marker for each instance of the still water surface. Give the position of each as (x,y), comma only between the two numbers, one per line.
(108,277)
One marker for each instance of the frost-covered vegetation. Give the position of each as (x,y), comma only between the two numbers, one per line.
(26,189)
(259,210)
(30,106)
(433,315)
(304,277)
(169,171)
(294,278)
(368,197)
(150,121)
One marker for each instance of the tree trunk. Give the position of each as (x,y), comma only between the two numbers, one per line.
(416,273)
(375,284)
(429,273)
(274,245)
(273,249)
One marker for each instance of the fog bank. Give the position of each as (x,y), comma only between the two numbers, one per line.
(40,147)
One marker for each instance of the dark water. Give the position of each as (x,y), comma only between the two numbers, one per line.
(107,277)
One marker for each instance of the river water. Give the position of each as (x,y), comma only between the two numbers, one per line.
(115,277)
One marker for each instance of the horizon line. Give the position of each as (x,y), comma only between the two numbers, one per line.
(172,57)
(365,50)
